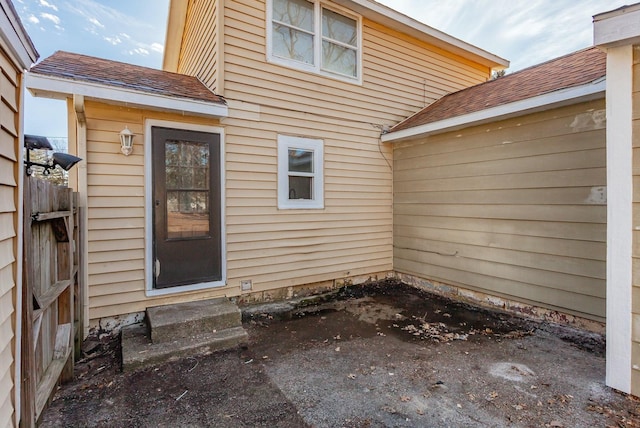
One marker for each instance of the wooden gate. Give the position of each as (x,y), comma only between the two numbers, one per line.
(51,315)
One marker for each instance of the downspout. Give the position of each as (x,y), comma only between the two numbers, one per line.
(81,133)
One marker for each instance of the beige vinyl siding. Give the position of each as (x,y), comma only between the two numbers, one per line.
(116,213)
(514,209)
(9,168)
(635,308)
(352,235)
(200,43)
(400,74)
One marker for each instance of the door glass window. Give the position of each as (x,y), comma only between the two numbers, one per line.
(187,184)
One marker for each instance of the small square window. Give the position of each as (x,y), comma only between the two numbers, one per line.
(300,178)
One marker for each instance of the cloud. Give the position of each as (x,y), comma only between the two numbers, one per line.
(526,32)
(95,22)
(91,9)
(51,17)
(113,40)
(105,22)
(157,47)
(45,3)
(33,19)
(139,51)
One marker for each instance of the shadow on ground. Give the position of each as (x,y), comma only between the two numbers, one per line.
(384,355)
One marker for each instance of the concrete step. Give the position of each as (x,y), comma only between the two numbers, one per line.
(139,352)
(185,320)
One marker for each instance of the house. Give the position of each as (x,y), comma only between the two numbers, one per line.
(17,54)
(279,151)
(257,168)
(617,33)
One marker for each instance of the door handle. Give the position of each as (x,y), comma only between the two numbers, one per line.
(157,202)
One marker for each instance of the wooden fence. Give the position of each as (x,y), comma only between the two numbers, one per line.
(51,316)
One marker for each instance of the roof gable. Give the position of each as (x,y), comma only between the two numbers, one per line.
(574,70)
(369,9)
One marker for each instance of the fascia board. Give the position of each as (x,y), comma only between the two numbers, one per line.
(618,27)
(55,87)
(176,21)
(14,38)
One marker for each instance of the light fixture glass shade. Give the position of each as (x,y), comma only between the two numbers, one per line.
(126,141)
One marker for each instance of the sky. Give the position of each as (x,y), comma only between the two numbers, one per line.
(525,32)
(131,31)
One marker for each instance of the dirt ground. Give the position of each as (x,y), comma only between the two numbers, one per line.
(379,356)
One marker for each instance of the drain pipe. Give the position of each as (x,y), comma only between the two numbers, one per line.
(83,274)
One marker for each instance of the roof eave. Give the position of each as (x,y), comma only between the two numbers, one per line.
(560,98)
(176,20)
(393,19)
(15,37)
(45,86)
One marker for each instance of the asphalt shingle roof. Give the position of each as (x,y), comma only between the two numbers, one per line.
(83,68)
(576,69)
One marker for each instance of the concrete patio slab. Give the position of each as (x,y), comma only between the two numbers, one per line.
(382,356)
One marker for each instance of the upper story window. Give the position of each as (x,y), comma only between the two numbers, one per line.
(308,35)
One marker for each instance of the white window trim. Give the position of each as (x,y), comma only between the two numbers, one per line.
(148,165)
(286,142)
(317,68)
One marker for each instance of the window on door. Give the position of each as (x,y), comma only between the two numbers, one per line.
(300,173)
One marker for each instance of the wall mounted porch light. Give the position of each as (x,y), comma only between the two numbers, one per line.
(126,141)
(63,160)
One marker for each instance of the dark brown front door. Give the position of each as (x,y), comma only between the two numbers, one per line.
(186,216)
